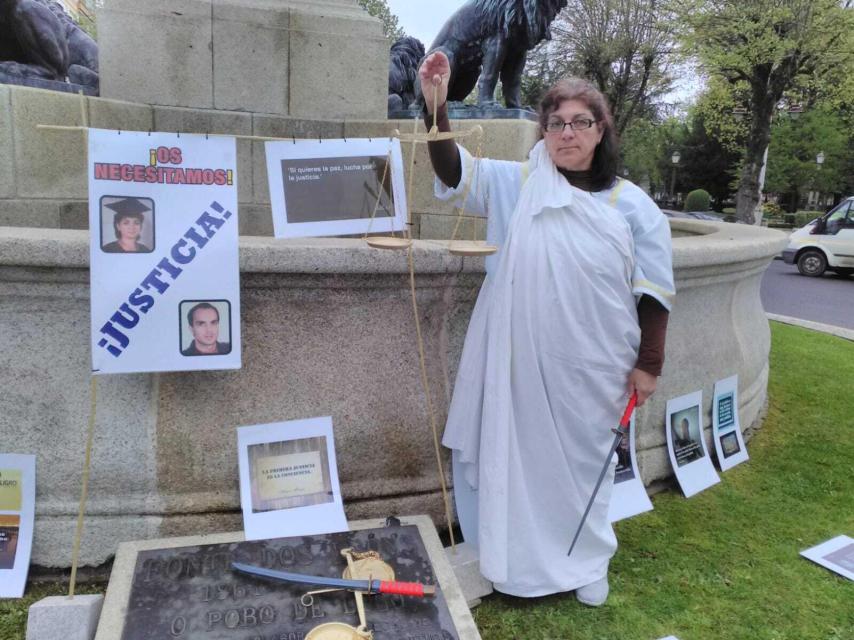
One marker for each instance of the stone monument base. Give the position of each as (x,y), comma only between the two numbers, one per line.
(119,590)
(45,83)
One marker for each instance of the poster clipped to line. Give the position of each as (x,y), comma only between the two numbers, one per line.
(17,511)
(163,252)
(729,443)
(686,445)
(837,554)
(336,187)
(628,497)
(289,479)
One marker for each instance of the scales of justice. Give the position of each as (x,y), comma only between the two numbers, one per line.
(456,247)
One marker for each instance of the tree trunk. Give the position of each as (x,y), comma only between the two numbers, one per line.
(749,187)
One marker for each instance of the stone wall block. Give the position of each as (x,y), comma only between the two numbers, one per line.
(156,52)
(29,213)
(117,114)
(48,164)
(174,119)
(441,227)
(280,127)
(7,148)
(74,215)
(339,67)
(255,220)
(250,58)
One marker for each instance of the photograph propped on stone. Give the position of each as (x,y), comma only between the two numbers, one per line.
(686,445)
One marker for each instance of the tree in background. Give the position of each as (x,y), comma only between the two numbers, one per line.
(379,9)
(795,143)
(764,47)
(625,47)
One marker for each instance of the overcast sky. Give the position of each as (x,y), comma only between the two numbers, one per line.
(423,18)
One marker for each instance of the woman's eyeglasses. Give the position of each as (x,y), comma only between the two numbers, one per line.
(579,124)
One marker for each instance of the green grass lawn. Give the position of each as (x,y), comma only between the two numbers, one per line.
(723,565)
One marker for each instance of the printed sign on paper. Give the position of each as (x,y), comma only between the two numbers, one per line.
(837,554)
(729,443)
(628,497)
(17,512)
(336,187)
(686,445)
(163,252)
(289,479)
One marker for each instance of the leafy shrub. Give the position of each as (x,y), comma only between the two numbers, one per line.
(698,200)
(771,210)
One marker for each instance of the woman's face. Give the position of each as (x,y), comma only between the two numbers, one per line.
(129,228)
(573,149)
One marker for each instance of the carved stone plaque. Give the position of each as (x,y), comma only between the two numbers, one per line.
(191,593)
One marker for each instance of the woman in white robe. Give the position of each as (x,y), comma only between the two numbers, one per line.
(552,350)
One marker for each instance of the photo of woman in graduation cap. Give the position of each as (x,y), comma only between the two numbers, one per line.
(129,224)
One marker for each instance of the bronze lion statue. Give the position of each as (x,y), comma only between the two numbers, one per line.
(490,39)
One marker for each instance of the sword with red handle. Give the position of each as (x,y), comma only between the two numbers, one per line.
(621,431)
(370,587)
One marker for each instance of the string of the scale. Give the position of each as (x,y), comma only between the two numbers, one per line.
(406,243)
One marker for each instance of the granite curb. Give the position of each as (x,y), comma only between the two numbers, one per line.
(839,332)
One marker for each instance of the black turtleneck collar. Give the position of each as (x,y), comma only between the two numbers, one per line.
(580,179)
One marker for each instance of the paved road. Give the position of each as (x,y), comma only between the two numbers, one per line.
(828,299)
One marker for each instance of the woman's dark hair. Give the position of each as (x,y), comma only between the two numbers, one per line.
(606,157)
(121,216)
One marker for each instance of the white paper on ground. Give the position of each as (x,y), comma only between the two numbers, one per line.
(332,187)
(289,479)
(628,497)
(726,428)
(182,190)
(837,554)
(17,512)
(686,445)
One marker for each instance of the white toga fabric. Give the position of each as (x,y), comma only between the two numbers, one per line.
(542,378)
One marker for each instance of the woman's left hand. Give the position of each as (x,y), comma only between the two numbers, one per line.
(643,383)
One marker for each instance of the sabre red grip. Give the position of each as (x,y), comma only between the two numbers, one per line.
(630,407)
(414,589)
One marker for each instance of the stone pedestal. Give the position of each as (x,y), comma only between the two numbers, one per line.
(63,618)
(325,59)
(466,565)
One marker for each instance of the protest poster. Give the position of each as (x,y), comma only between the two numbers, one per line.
(726,430)
(17,511)
(686,445)
(336,187)
(289,479)
(836,554)
(164,273)
(628,497)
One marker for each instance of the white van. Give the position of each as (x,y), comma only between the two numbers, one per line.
(826,243)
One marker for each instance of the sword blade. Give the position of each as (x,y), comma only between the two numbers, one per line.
(301,578)
(621,431)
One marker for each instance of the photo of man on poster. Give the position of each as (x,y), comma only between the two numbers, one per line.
(205,328)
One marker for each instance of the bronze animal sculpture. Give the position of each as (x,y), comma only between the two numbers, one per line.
(406,53)
(39,40)
(490,39)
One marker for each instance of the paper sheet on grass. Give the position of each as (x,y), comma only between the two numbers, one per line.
(686,444)
(629,497)
(837,554)
(726,428)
